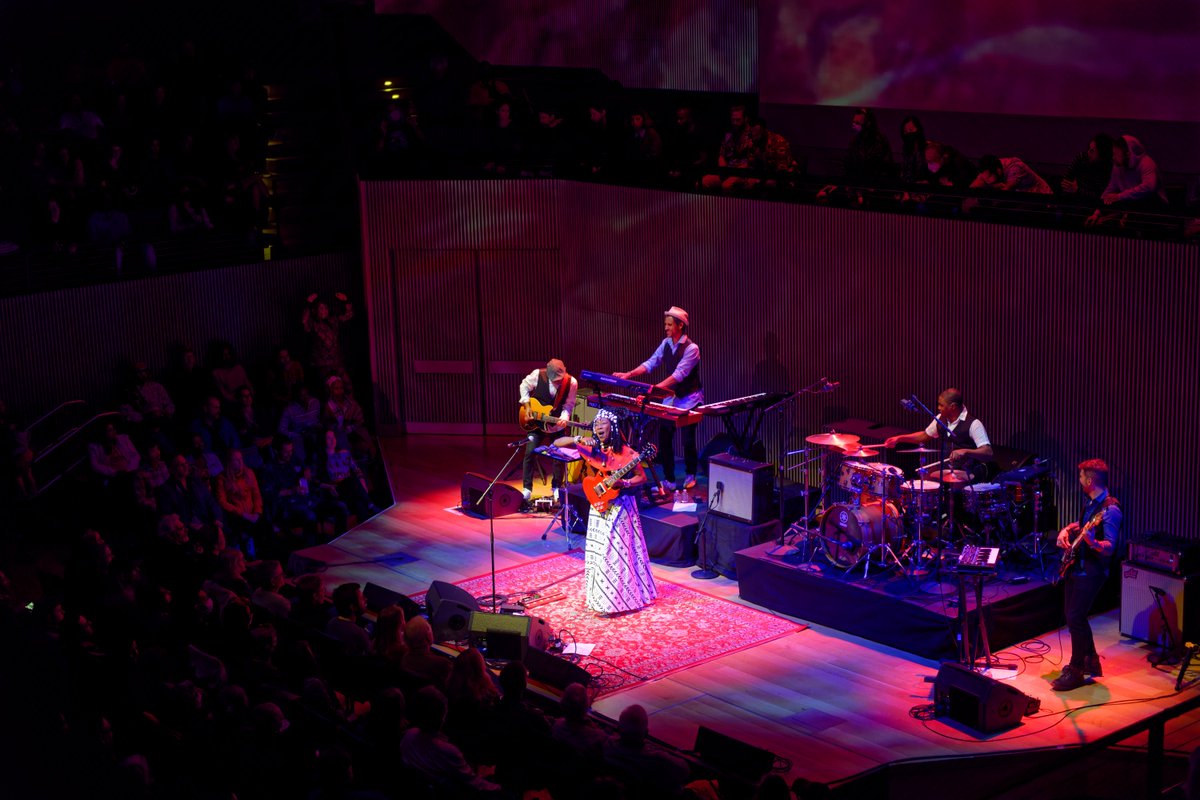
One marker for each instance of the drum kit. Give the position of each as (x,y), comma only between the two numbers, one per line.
(874,516)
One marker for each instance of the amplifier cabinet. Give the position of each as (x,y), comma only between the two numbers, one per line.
(1180,598)
(740,489)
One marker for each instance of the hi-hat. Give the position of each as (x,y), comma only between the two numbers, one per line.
(841,440)
(856,451)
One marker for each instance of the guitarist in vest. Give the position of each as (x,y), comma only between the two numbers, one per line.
(554,389)
(679,354)
(970,447)
(1088,546)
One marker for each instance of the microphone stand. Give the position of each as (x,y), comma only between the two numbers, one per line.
(779,407)
(492,519)
(914,403)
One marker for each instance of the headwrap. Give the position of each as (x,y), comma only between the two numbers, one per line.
(609,415)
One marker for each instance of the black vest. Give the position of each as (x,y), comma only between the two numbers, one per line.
(960,439)
(691,381)
(544,394)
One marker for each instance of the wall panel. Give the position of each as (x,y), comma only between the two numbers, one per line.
(1066,344)
(74,344)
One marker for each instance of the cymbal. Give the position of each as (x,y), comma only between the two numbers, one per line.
(855,451)
(951,477)
(920,450)
(832,439)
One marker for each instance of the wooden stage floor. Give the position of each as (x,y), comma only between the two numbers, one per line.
(832,704)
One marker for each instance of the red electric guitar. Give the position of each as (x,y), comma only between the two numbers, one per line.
(602,489)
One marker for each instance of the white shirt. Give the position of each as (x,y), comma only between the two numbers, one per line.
(978,434)
(530,381)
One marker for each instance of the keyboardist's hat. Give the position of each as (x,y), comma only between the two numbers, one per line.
(678,313)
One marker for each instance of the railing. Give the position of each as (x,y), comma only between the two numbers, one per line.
(39,441)
(65,455)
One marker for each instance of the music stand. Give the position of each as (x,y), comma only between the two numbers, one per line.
(566,516)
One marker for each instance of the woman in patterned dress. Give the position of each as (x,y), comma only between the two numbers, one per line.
(617,573)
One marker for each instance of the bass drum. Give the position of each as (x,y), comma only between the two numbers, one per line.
(848,532)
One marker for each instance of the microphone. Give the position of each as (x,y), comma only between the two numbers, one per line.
(796,452)
(830,386)
(518,443)
(908,405)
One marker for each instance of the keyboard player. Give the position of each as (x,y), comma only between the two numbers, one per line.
(679,354)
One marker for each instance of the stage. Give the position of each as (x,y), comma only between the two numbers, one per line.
(835,704)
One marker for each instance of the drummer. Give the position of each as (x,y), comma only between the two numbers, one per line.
(970,447)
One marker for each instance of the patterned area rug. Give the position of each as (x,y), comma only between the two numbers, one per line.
(681,629)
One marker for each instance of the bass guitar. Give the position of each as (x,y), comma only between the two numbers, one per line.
(601,490)
(1071,554)
(537,416)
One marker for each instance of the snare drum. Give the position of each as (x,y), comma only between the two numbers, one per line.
(849,531)
(985,499)
(880,480)
(919,494)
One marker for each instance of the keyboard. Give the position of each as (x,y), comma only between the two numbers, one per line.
(750,402)
(680,416)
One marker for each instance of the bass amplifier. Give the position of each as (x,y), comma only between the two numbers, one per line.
(1179,597)
(740,489)
(1167,553)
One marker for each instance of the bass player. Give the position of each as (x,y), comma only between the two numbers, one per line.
(547,400)
(1087,547)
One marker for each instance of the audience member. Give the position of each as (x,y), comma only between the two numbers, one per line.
(734,153)
(913,168)
(947,166)
(575,728)
(1134,183)
(216,432)
(349,604)
(1090,171)
(322,326)
(1008,175)
(870,155)
(420,661)
(426,749)
(647,766)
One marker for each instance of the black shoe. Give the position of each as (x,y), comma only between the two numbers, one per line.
(1071,678)
(1091,665)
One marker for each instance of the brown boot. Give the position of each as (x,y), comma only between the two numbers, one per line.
(1091,665)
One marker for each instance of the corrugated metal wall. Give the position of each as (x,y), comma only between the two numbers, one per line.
(73,344)
(1066,344)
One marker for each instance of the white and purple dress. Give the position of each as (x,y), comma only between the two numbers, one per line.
(616,572)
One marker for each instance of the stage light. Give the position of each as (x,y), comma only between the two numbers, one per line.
(387,83)
(395,96)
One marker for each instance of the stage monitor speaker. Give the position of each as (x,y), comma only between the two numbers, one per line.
(450,610)
(440,590)
(503,499)
(554,670)
(1139,613)
(379,598)
(731,755)
(977,701)
(740,489)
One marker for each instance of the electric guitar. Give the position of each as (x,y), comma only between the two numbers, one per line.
(601,490)
(539,416)
(1071,554)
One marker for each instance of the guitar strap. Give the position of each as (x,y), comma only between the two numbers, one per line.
(561,397)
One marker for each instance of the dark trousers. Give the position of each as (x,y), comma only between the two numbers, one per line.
(537,439)
(666,449)
(1078,595)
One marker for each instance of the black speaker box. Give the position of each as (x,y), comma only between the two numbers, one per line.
(450,610)
(379,598)
(977,701)
(553,670)
(503,499)
(740,489)
(732,755)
